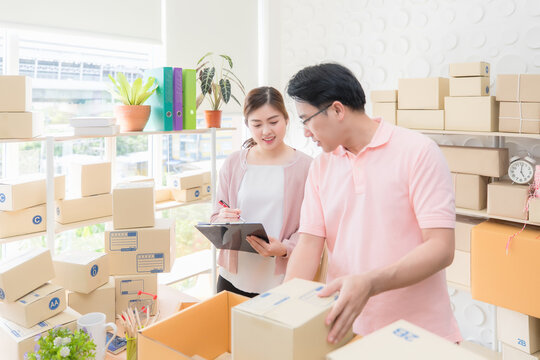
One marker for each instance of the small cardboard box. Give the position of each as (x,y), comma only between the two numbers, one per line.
(403,340)
(185,181)
(41,304)
(81,271)
(80,209)
(459,272)
(534,210)
(127,289)
(491,162)
(469,86)
(16,341)
(20,125)
(27,191)
(519,117)
(142,250)
(26,221)
(469,69)
(463,229)
(523,87)
(507,280)
(507,199)
(510,353)
(15,93)
(384,96)
(475,113)
(206,177)
(89,179)
(471,191)
(206,190)
(163,194)
(387,111)
(292,315)
(133,205)
(421,119)
(203,329)
(26,272)
(518,330)
(187,195)
(100,300)
(422,94)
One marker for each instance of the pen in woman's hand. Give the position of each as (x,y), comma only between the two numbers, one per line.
(225,205)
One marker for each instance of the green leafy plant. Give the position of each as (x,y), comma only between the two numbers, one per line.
(216,81)
(135,94)
(60,343)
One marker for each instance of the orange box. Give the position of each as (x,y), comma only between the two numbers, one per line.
(512,280)
(203,329)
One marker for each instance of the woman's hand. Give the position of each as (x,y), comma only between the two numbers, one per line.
(227,215)
(273,248)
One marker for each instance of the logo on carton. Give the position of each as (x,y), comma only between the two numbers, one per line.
(37,219)
(197,193)
(405,334)
(2,197)
(522,342)
(208,188)
(175,183)
(54,303)
(2,294)
(58,211)
(487,89)
(94,270)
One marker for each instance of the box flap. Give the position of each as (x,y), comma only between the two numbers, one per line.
(79,257)
(39,293)
(19,259)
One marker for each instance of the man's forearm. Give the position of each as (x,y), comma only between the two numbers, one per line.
(305,258)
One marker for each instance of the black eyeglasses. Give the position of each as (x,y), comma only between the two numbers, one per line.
(305,121)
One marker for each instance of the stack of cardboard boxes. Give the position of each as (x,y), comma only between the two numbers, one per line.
(29,303)
(16,120)
(190,186)
(519,97)
(90,184)
(385,104)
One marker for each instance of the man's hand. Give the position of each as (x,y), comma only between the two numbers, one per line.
(273,248)
(354,292)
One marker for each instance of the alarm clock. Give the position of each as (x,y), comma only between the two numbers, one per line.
(521,169)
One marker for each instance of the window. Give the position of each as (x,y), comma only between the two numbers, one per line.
(2,53)
(132,156)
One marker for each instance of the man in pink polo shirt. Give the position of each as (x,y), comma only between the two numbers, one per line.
(381,196)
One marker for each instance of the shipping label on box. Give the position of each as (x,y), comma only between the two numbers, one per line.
(519,117)
(81,271)
(26,221)
(133,205)
(25,272)
(518,330)
(15,93)
(384,96)
(89,179)
(507,199)
(422,94)
(469,69)
(469,86)
(20,125)
(292,315)
(522,87)
(127,288)
(27,191)
(459,272)
(387,111)
(475,113)
(16,340)
(464,225)
(185,181)
(491,162)
(187,195)
(471,191)
(421,119)
(100,300)
(90,207)
(511,353)
(41,304)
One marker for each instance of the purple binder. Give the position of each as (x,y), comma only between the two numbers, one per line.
(177,99)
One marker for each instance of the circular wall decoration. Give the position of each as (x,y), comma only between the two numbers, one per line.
(532,38)
(379,25)
(533,7)
(478,40)
(401,19)
(511,64)
(507,7)
(450,41)
(475,14)
(379,46)
(536,61)
(420,20)
(338,51)
(510,36)
(475,314)
(418,68)
(449,16)
(401,46)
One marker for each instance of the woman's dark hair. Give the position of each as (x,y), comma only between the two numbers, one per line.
(320,85)
(256,99)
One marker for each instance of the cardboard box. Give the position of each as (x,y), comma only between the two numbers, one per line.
(26,221)
(206,177)
(469,86)
(519,117)
(388,111)
(127,289)
(187,195)
(80,209)
(15,93)
(20,125)
(518,330)
(523,87)
(203,329)
(476,113)
(507,199)
(491,162)
(463,229)
(80,271)
(25,272)
(534,210)
(133,205)
(469,69)
(142,250)
(422,94)
(403,340)
(41,304)
(292,315)
(162,194)
(16,341)
(480,350)
(459,272)
(421,119)
(89,179)
(185,181)
(503,279)
(100,300)
(384,96)
(510,353)
(139,178)
(27,191)
(471,191)
(206,190)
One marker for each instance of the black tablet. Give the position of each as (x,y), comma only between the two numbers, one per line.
(232,236)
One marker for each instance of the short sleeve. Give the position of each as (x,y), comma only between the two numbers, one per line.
(312,216)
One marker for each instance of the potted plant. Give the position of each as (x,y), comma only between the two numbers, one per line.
(216,82)
(61,343)
(132,115)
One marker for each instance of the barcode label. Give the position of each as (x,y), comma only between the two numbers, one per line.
(150,263)
(123,241)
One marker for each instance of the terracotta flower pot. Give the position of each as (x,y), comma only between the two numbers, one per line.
(132,117)
(213,118)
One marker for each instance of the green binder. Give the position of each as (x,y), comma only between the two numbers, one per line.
(161,113)
(189,88)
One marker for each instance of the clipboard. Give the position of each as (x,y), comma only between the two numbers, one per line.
(232,236)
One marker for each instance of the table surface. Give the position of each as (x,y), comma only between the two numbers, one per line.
(170,299)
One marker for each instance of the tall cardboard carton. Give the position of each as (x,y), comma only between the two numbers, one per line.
(133,205)
(89,179)
(81,271)
(422,94)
